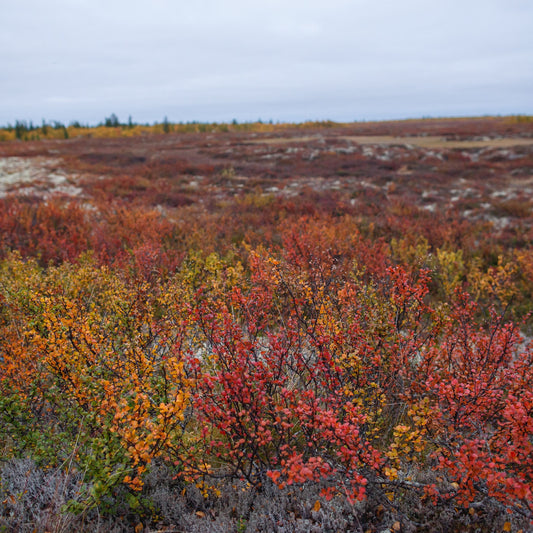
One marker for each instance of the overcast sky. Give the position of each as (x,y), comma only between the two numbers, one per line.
(287,60)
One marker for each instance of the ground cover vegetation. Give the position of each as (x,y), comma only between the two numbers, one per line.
(319,327)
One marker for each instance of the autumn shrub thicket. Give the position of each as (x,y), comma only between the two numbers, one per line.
(269,345)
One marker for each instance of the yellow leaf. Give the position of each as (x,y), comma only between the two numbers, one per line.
(317,506)
(507,526)
(139,528)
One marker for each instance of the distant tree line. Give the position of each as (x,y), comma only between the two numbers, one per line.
(112,126)
(22,127)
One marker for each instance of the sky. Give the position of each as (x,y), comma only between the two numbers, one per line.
(280,60)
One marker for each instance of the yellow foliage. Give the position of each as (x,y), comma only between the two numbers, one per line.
(452,269)
(496,283)
(90,336)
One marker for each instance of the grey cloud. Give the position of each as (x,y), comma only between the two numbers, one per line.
(74,59)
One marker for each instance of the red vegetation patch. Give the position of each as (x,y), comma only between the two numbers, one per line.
(320,313)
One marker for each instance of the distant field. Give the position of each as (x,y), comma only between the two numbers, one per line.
(481,168)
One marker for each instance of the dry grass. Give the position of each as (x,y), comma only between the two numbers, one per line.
(430,141)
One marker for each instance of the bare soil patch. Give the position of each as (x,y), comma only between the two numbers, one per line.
(38,176)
